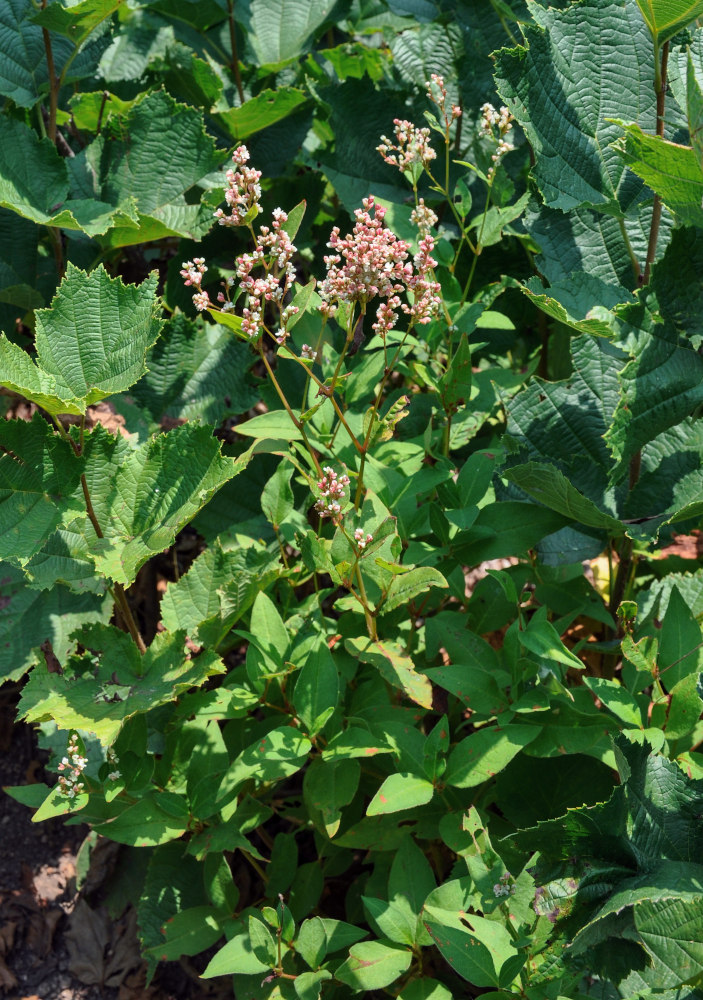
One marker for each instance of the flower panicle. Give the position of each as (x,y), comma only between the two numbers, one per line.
(331,493)
(71,768)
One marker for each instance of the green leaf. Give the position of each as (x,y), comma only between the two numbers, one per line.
(155,819)
(271,634)
(579,303)
(280,753)
(406,586)
(479,950)
(279,30)
(30,617)
(78,21)
(672,171)
(91,343)
(394,666)
(328,786)
(317,688)
(549,486)
(262,943)
(196,371)
(41,194)
(484,753)
(392,921)
(276,424)
(400,791)
(373,964)
(125,682)
(665,18)
(187,933)
(277,495)
(39,480)
(542,639)
(266,108)
(680,652)
(166,199)
(455,384)
(559,88)
(23,68)
(672,932)
(145,497)
(237,956)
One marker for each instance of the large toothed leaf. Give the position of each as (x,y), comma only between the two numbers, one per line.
(278,30)
(78,21)
(143,496)
(580,66)
(29,618)
(23,69)
(156,168)
(34,183)
(91,343)
(127,682)
(39,477)
(662,384)
(672,170)
(196,370)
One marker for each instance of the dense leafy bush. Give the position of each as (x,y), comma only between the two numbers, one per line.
(425,404)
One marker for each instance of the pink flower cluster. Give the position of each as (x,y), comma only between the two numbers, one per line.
(193,272)
(496,126)
(72,766)
(242,193)
(437,93)
(372,262)
(274,253)
(412,146)
(331,489)
(361,539)
(423,217)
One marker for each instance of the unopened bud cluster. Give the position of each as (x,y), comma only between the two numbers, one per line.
(505,886)
(496,126)
(437,93)
(362,539)
(113,760)
(412,146)
(71,768)
(331,489)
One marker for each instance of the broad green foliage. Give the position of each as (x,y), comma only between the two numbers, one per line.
(347,573)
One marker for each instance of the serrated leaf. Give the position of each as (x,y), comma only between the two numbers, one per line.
(39,483)
(30,617)
(279,30)
(78,21)
(561,89)
(125,683)
(672,171)
(149,493)
(119,169)
(91,343)
(23,69)
(196,371)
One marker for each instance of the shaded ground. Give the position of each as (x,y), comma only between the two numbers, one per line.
(55,943)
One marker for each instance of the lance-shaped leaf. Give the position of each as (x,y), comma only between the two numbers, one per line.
(28,618)
(579,67)
(394,667)
(39,476)
(143,496)
(665,18)
(268,107)
(548,485)
(582,303)
(91,343)
(673,171)
(156,169)
(125,681)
